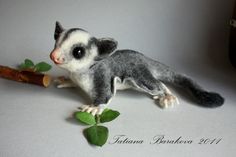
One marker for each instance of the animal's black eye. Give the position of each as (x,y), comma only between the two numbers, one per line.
(78,52)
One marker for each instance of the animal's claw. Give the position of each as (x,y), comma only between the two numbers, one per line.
(94,110)
(168,101)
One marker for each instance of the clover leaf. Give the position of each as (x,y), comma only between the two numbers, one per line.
(96,135)
(85,118)
(108,115)
(39,67)
(29,63)
(42,67)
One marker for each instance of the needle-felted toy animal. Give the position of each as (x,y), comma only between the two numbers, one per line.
(95,66)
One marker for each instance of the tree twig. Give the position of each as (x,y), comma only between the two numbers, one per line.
(25,76)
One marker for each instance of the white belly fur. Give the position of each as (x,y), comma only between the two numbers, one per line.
(122,85)
(84,81)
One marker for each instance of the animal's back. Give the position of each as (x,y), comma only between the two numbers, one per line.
(126,61)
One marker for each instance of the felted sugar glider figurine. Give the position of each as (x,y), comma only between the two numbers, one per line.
(95,66)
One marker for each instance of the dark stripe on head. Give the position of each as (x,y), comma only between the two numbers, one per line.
(67,33)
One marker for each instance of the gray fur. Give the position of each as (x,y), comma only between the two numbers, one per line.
(128,64)
(136,70)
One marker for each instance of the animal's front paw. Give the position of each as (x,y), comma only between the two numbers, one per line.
(167,100)
(63,82)
(94,110)
(59,81)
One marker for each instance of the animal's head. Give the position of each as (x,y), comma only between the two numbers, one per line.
(76,49)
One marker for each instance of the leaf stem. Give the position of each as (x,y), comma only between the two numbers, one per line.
(97,117)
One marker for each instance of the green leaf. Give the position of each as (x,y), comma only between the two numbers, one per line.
(96,135)
(42,67)
(29,63)
(108,115)
(85,118)
(22,66)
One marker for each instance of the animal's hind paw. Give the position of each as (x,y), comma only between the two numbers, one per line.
(167,100)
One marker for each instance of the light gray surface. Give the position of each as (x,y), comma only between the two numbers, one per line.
(189,35)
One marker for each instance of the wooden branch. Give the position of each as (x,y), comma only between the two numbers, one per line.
(25,76)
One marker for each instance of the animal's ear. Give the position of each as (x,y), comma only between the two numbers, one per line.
(58,30)
(106,45)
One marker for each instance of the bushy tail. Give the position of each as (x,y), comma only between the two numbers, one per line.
(203,97)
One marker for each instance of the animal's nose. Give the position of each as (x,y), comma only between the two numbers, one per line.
(54,55)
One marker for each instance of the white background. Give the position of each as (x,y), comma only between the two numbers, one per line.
(190,36)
